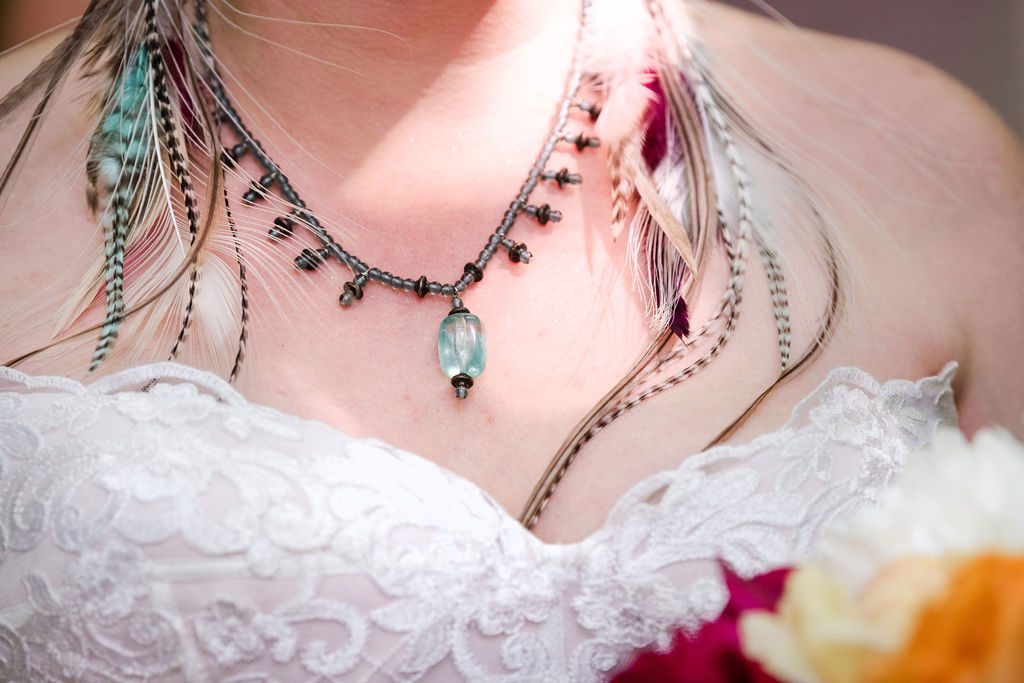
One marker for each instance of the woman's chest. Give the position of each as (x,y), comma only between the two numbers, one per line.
(373,370)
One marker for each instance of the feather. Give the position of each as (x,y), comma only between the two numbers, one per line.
(728,313)
(687,112)
(680,324)
(243,291)
(175,149)
(616,50)
(120,157)
(161,248)
(780,298)
(669,234)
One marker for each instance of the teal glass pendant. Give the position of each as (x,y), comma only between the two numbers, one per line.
(462,348)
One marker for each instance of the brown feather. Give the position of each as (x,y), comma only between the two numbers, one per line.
(623,189)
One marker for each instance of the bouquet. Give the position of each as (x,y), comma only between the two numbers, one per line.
(927,585)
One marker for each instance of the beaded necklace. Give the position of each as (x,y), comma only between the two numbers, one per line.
(461,341)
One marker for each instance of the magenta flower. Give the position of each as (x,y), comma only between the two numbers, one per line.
(713,654)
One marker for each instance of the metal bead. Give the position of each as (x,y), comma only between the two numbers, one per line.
(544,213)
(519,254)
(462,383)
(254,192)
(435,287)
(590,108)
(474,270)
(353,292)
(310,260)
(582,141)
(422,286)
(447,290)
(238,150)
(267,180)
(563,177)
(283,227)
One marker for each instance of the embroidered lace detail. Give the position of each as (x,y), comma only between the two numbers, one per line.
(183,534)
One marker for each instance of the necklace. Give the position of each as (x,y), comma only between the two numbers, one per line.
(461,341)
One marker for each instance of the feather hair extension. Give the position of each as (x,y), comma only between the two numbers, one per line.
(616,50)
(684,181)
(170,136)
(780,298)
(143,194)
(151,244)
(120,159)
(677,214)
(656,218)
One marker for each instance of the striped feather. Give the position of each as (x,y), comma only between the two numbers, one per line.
(171,138)
(120,158)
(780,299)
(243,291)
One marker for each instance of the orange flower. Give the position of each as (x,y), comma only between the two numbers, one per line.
(974,634)
(819,633)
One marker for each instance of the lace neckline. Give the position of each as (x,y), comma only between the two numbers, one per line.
(635,496)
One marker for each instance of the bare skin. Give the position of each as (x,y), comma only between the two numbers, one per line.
(943,284)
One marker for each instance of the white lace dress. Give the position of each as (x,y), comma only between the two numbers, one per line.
(183,534)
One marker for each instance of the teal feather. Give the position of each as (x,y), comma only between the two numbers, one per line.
(121,151)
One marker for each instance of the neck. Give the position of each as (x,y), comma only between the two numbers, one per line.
(382,59)
(363,35)
(360,97)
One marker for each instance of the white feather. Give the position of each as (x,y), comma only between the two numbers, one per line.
(617,48)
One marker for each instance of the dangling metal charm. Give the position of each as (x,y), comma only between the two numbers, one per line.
(581,141)
(563,177)
(544,213)
(461,348)
(592,109)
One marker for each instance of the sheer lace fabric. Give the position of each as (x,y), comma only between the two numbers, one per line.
(183,534)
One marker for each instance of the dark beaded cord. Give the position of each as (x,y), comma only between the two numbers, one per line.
(310,259)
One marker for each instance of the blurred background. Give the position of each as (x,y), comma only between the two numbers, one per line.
(981,42)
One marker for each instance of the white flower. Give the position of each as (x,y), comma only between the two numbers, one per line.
(952,498)
(861,601)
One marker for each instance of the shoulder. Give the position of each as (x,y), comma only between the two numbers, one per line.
(44,216)
(823,79)
(18,62)
(939,172)
(861,92)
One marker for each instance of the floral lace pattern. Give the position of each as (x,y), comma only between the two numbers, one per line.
(183,534)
